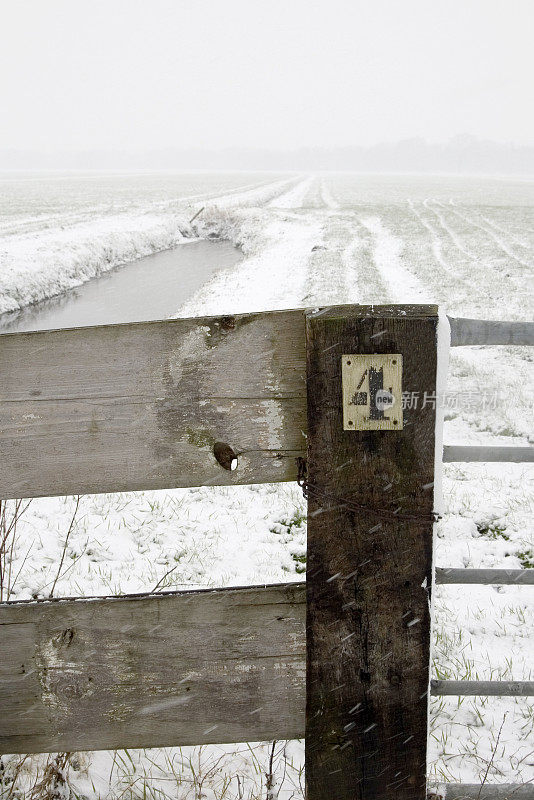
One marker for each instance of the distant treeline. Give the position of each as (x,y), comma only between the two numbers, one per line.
(461,154)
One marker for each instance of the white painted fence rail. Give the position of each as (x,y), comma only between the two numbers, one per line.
(485,688)
(488,791)
(482,332)
(486,577)
(514,455)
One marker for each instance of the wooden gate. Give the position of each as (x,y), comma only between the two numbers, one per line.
(342,660)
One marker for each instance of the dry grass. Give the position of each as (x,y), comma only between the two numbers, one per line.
(10,513)
(24,776)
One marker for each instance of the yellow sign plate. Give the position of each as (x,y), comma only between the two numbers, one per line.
(372,392)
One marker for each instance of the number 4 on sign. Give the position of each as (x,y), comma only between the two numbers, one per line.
(372,392)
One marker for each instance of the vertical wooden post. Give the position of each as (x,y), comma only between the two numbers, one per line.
(368,574)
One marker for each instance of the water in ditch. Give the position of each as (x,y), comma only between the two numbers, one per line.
(153,287)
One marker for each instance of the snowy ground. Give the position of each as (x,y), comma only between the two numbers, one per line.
(57,233)
(467,244)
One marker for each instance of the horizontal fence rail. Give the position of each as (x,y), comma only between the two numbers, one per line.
(175,668)
(141,405)
(488,577)
(481,332)
(518,455)
(489,688)
(240,399)
(153,670)
(488,791)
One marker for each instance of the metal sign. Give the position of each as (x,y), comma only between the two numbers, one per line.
(372,392)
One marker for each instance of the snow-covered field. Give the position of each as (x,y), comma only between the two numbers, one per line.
(58,232)
(464,243)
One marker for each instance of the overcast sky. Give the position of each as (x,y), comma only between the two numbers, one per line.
(149,74)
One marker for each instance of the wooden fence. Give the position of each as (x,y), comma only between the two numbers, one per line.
(342,660)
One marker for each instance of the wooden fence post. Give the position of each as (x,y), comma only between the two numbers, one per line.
(370,504)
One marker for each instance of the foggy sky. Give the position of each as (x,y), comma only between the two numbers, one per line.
(271,74)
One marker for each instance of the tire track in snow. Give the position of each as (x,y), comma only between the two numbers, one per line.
(331,275)
(326,196)
(359,257)
(341,268)
(402,285)
(314,199)
(214,197)
(496,239)
(437,250)
(496,228)
(452,234)
(294,197)
(256,196)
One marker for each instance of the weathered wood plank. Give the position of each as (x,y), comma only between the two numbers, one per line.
(513,455)
(150,671)
(140,406)
(156,670)
(485,577)
(482,332)
(489,688)
(368,621)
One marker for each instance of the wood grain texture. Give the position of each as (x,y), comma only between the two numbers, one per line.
(140,406)
(481,332)
(368,621)
(150,671)
(159,670)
